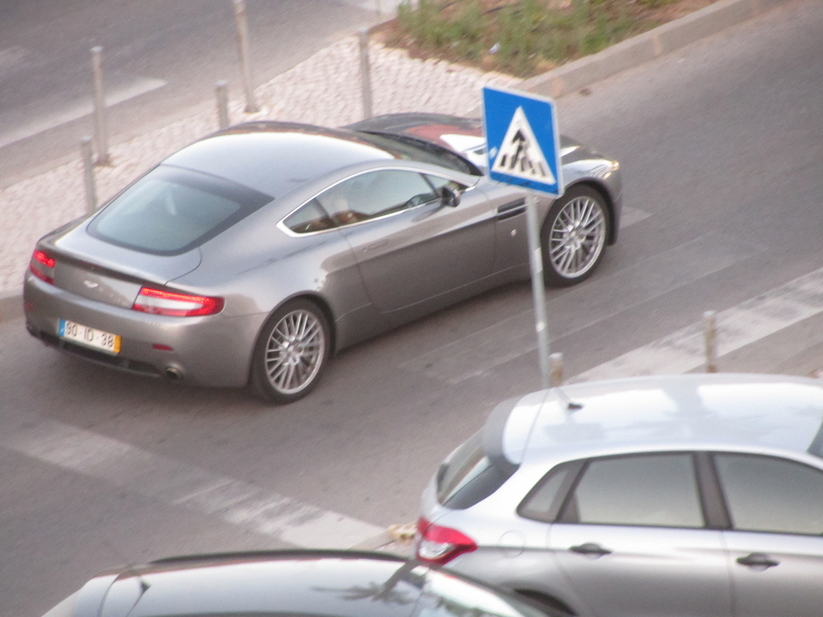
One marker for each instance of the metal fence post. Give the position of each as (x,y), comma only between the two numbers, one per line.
(556,362)
(222,89)
(365,72)
(101,130)
(243,46)
(710,323)
(88,175)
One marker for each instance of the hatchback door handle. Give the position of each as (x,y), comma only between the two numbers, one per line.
(590,548)
(758,560)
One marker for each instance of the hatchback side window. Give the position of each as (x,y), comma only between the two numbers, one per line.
(376,194)
(651,490)
(544,501)
(764,493)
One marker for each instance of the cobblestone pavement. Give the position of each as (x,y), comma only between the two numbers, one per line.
(324,90)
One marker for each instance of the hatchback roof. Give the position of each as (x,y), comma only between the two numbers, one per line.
(275,157)
(695,410)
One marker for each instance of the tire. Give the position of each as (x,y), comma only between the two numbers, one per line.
(291,352)
(574,236)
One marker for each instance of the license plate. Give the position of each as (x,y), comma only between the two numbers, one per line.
(90,337)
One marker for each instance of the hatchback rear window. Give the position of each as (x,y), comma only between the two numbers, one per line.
(172,210)
(470,475)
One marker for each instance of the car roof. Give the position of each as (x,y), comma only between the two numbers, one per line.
(330,583)
(693,411)
(276,157)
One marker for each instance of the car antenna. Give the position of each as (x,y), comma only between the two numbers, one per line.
(570,404)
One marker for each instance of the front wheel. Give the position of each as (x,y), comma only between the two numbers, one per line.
(574,236)
(291,352)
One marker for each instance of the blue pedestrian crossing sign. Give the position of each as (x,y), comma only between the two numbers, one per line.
(523,143)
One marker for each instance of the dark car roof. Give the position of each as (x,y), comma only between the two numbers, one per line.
(246,154)
(329,583)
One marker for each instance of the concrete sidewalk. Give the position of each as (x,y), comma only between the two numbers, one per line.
(325,90)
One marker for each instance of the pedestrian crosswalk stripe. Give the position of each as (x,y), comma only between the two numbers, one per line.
(520,154)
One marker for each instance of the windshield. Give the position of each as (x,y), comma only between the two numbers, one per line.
(172,210)
(422,151)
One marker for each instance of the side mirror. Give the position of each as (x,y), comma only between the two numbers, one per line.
(448,197)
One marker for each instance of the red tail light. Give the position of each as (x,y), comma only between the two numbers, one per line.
(175,304)
(436,544)
(42,266)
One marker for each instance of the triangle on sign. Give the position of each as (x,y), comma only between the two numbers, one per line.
(520,154)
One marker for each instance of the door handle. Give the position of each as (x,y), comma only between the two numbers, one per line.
(375,245)
(758,560)
(590,548)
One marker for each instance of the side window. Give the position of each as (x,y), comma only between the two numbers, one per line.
(652,490)
(310,217)
(771,494)
(544,501)
(438,183)
(375,194)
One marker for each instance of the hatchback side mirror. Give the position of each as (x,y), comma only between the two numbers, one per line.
(449,197)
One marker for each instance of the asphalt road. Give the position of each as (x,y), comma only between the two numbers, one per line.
(161,59)
(722,149)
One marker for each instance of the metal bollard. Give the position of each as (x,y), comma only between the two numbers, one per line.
(556,364)
(101,130)
(88,174)
(365,72)
(243,47)
(710,323)
(222,89)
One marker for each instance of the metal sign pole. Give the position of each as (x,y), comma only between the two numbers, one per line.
(538,288)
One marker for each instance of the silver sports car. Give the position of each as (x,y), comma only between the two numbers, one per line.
(252,255)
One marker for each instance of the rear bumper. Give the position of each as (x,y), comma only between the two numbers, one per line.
(212,350)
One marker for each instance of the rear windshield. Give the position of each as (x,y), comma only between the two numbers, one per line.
(172,210)
(469,475)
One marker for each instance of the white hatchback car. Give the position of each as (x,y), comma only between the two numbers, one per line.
(691,495)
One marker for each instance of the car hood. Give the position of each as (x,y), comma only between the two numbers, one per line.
(461,135)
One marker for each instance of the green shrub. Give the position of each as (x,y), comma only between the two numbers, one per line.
(521,36)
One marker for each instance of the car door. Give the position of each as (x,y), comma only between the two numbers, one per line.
(631,538)
(775,544)
(409,246)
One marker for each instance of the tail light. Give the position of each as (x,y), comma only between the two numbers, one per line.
(175,304)
(42,266)
(436,544)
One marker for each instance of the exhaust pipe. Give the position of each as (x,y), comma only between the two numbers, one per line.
(173,374)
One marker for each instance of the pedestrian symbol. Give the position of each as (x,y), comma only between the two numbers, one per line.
(520,154)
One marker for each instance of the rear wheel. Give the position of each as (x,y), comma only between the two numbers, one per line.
(291,353)
(574,236)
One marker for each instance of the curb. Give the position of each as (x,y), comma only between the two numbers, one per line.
(647,46)
(590,69)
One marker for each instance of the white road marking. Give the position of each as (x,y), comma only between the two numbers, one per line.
(481,351)
(10,57)
(737,327)
(630,216)
(79,110)
(193,488)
